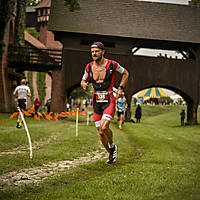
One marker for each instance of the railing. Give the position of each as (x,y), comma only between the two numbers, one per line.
(26,58)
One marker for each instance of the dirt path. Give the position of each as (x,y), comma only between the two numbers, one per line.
(38,174)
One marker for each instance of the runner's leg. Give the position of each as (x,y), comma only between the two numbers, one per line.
(121,120)
(105,130)
(104,139)
(108,115)
(97,120)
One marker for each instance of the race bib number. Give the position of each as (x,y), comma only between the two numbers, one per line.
(102,97)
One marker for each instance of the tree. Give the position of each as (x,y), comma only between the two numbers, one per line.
(33,2)
(20,22)
(194,2)
(7,10)
(79,92)
(33,31)
(72,4)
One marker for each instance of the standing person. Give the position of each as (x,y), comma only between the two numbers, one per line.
(67,107)
(48,105)
(37,104)
(138,113)
(83,104)
(21,92)
(101,73)
(121,106)
(182,114)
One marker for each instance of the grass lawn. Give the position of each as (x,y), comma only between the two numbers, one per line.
(157,159)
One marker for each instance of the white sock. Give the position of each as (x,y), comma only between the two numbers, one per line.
(111,145)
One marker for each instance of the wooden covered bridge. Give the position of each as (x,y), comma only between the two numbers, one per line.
(122,26)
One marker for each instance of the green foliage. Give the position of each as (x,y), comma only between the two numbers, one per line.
(20,21)
(80,93)
(33,2)
(194,2)
(6,9)
(41,86)
(33,32)
(72,5)
(30,83)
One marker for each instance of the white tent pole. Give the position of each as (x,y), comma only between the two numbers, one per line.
(77,121)
(27,132)
(87,118)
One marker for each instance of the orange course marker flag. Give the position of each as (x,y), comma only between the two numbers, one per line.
(82,113)
(39,114)
(64,114)
(26,113)
(36,117)
(56,115)
(47,116)
(13,115)
(31,109)
(1,121)
(73,113)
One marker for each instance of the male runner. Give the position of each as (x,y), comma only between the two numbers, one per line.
(22,92)
(101,73)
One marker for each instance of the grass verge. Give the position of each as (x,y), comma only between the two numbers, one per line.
(158,159)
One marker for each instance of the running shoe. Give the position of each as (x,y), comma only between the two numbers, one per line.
(18,126)
(112,155)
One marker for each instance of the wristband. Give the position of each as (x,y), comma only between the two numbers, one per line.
(121,87)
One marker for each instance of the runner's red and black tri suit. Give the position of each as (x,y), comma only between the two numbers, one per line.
(103,100)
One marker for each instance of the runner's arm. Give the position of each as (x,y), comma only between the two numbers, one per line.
(123,82)
(84,81)
(124,79)
(117,104)
(126,105)
(84,84)
(124,74)
(15,92)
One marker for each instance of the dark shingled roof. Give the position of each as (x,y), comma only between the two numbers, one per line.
(129,18)
(44,4)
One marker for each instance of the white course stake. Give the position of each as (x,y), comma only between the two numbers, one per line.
(27,132)
(77,122)
(87,118)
